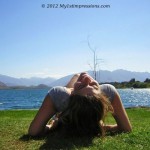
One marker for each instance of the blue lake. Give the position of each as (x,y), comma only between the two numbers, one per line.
(32,98)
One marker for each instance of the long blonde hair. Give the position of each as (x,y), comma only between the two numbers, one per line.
(83,115)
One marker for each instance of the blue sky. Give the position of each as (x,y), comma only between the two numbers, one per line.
(42,42)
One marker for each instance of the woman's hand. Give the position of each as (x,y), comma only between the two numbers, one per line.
(53,124)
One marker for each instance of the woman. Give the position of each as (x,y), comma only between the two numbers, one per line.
(82,106)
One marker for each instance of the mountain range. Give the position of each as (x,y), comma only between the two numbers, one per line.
(102,76)
(11,81)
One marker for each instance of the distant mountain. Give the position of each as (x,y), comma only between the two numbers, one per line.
(37,81)
(11,81)
(62,81)
(2,85)
(121,75)
(102,76)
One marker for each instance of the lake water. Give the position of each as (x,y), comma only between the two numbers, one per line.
(32,98)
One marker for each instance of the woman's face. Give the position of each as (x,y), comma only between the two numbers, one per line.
(86,85)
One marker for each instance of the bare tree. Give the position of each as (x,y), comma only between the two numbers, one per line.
(95,60)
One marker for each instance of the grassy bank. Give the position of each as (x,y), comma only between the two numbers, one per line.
(14,125)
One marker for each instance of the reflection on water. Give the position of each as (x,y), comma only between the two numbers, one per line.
(135,97)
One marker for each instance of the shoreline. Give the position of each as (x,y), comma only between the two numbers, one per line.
(38,108)
(137,107)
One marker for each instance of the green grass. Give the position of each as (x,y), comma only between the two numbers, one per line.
(14,125)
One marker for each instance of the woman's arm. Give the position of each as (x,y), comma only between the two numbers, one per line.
(46,111)
(72,81)
(120,115)
(122,121)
